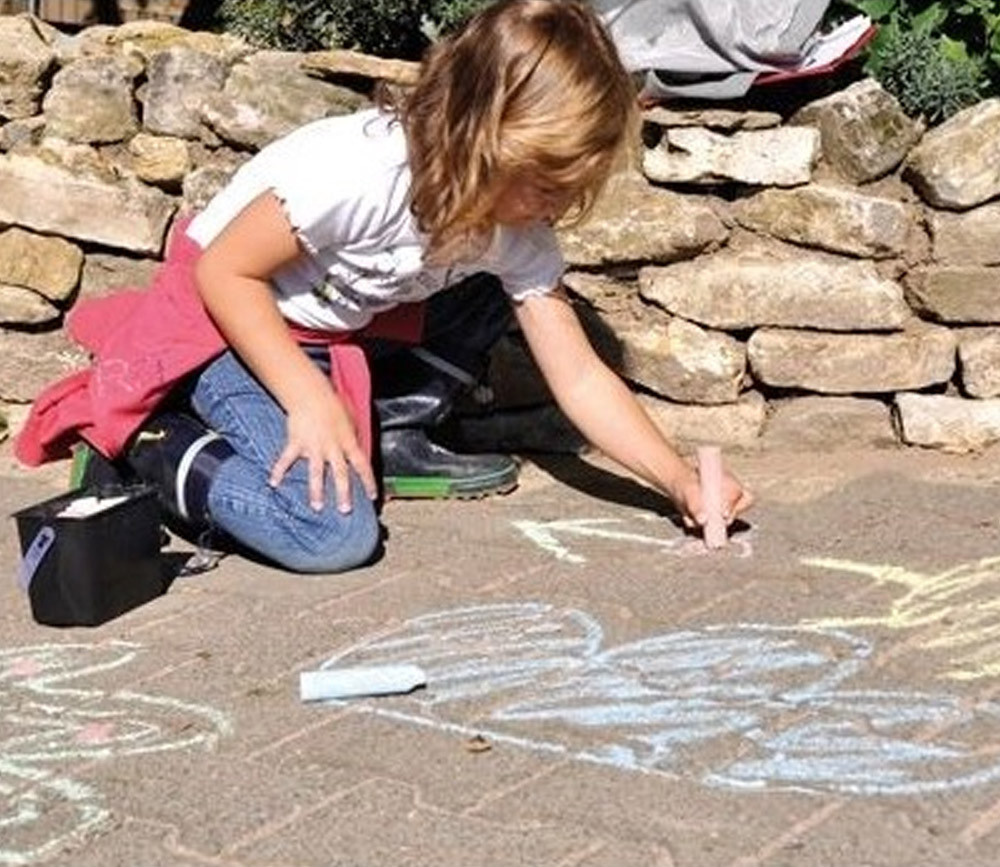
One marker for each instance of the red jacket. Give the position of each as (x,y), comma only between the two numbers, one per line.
(144,342)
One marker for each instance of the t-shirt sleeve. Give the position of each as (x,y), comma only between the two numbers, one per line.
(323,193)
(530,262)
(335,178)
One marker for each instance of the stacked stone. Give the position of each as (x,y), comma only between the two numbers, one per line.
(106,138)
(844,291)
(765,281)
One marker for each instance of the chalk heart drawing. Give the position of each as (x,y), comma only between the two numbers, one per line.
(53,726)
(959,608)
(743,706)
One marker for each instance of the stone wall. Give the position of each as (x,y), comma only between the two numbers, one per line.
(823,276)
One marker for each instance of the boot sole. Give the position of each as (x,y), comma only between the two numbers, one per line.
(444,488)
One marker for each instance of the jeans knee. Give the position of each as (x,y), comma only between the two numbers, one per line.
(329,541)
(280,525)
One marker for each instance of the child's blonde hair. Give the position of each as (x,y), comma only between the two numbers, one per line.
(527,89)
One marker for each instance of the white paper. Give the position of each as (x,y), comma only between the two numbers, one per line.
(828,47)
(84,507)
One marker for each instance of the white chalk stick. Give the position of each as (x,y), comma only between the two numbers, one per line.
(710,474)
(356,682)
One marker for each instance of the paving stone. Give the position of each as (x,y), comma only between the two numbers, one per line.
(600,691)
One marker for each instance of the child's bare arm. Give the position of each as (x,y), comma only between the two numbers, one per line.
(606,412)
(233,278)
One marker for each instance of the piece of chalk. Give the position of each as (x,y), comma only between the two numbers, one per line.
(710,475)
(355,682)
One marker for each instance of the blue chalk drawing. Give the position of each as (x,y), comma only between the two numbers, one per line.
(52,725)
(743,706)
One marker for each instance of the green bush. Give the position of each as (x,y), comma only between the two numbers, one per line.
(447,15)
(935,58)
(388,28)
(925,78)
(289,25)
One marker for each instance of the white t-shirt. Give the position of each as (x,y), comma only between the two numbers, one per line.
(344,182)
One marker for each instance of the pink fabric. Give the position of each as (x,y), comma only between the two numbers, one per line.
(144,342)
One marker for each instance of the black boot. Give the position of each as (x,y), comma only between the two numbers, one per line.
(417,388)
(415,467)
(178,454)
(91,470)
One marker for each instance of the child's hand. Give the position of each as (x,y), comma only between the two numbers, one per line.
(324,435)
(686,494)
(735,498)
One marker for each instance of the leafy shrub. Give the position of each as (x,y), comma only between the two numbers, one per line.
(927,80)
(388,28)
(448,15)
(935,58)
(289,25)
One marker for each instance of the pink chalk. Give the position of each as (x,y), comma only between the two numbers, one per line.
(24,666)
(95,733)
(710,474)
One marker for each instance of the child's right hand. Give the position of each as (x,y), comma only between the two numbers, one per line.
(686,494)
(323,434)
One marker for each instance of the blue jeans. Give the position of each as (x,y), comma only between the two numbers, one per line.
(277,523)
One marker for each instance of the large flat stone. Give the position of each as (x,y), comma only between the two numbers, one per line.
(946,422)
(736,290)
(852,363)
(51,198)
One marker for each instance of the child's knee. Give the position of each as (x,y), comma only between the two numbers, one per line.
(333,542)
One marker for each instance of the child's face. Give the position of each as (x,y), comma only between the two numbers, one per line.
(530,200)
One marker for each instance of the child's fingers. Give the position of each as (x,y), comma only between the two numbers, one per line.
(281,466)
(737,504)
(745,502)
(315,476)
(362,466)
(341,482)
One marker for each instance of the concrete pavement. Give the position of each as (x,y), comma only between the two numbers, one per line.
(600,691)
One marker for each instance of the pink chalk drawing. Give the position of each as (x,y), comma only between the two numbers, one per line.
(96,733)
(22,667)
(54,722)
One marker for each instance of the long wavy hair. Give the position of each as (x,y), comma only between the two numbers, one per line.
(527,89)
